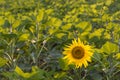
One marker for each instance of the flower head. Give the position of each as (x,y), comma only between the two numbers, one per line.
(78,54)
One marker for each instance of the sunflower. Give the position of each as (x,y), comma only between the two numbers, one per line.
(78,54)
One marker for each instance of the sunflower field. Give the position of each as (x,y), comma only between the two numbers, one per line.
(59,39)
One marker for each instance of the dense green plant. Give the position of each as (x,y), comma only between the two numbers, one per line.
(33,34)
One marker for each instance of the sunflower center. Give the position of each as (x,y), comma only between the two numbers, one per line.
(78,52)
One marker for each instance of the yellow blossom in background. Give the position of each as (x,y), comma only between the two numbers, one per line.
(78,54)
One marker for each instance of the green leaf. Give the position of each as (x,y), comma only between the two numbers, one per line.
(25,74)
(49,11)
(105,17)
(109,47)
(16,23)
(39,75)
(60,35)
(60,75)
(63,65)
(96,33)
(52,30)
(1,21)
(11,18)
(55,22)
(24,37)
(40,15)
(117,56)
(2,62)
(111,26)
(85,26)
(108,2)
(67,26)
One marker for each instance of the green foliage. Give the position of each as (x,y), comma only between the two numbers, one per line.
(38,74)
(3,62)
(33,34)
(109,47)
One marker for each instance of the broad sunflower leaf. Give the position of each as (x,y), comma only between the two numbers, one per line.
(52,30)
(63,64)
(105,17)
(59,75)
(40,15)
(108,2)
(60,34)
(19,71)
(67,26)
(117,56)
(56,22)
(96,33)
(85,26)
(11,18)
(2,61)
(16,23)
(109,47)
(49,11)
(39,74)
(24,37)
(25,74)
(1,21)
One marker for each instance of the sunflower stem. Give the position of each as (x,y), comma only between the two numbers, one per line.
(78,73)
